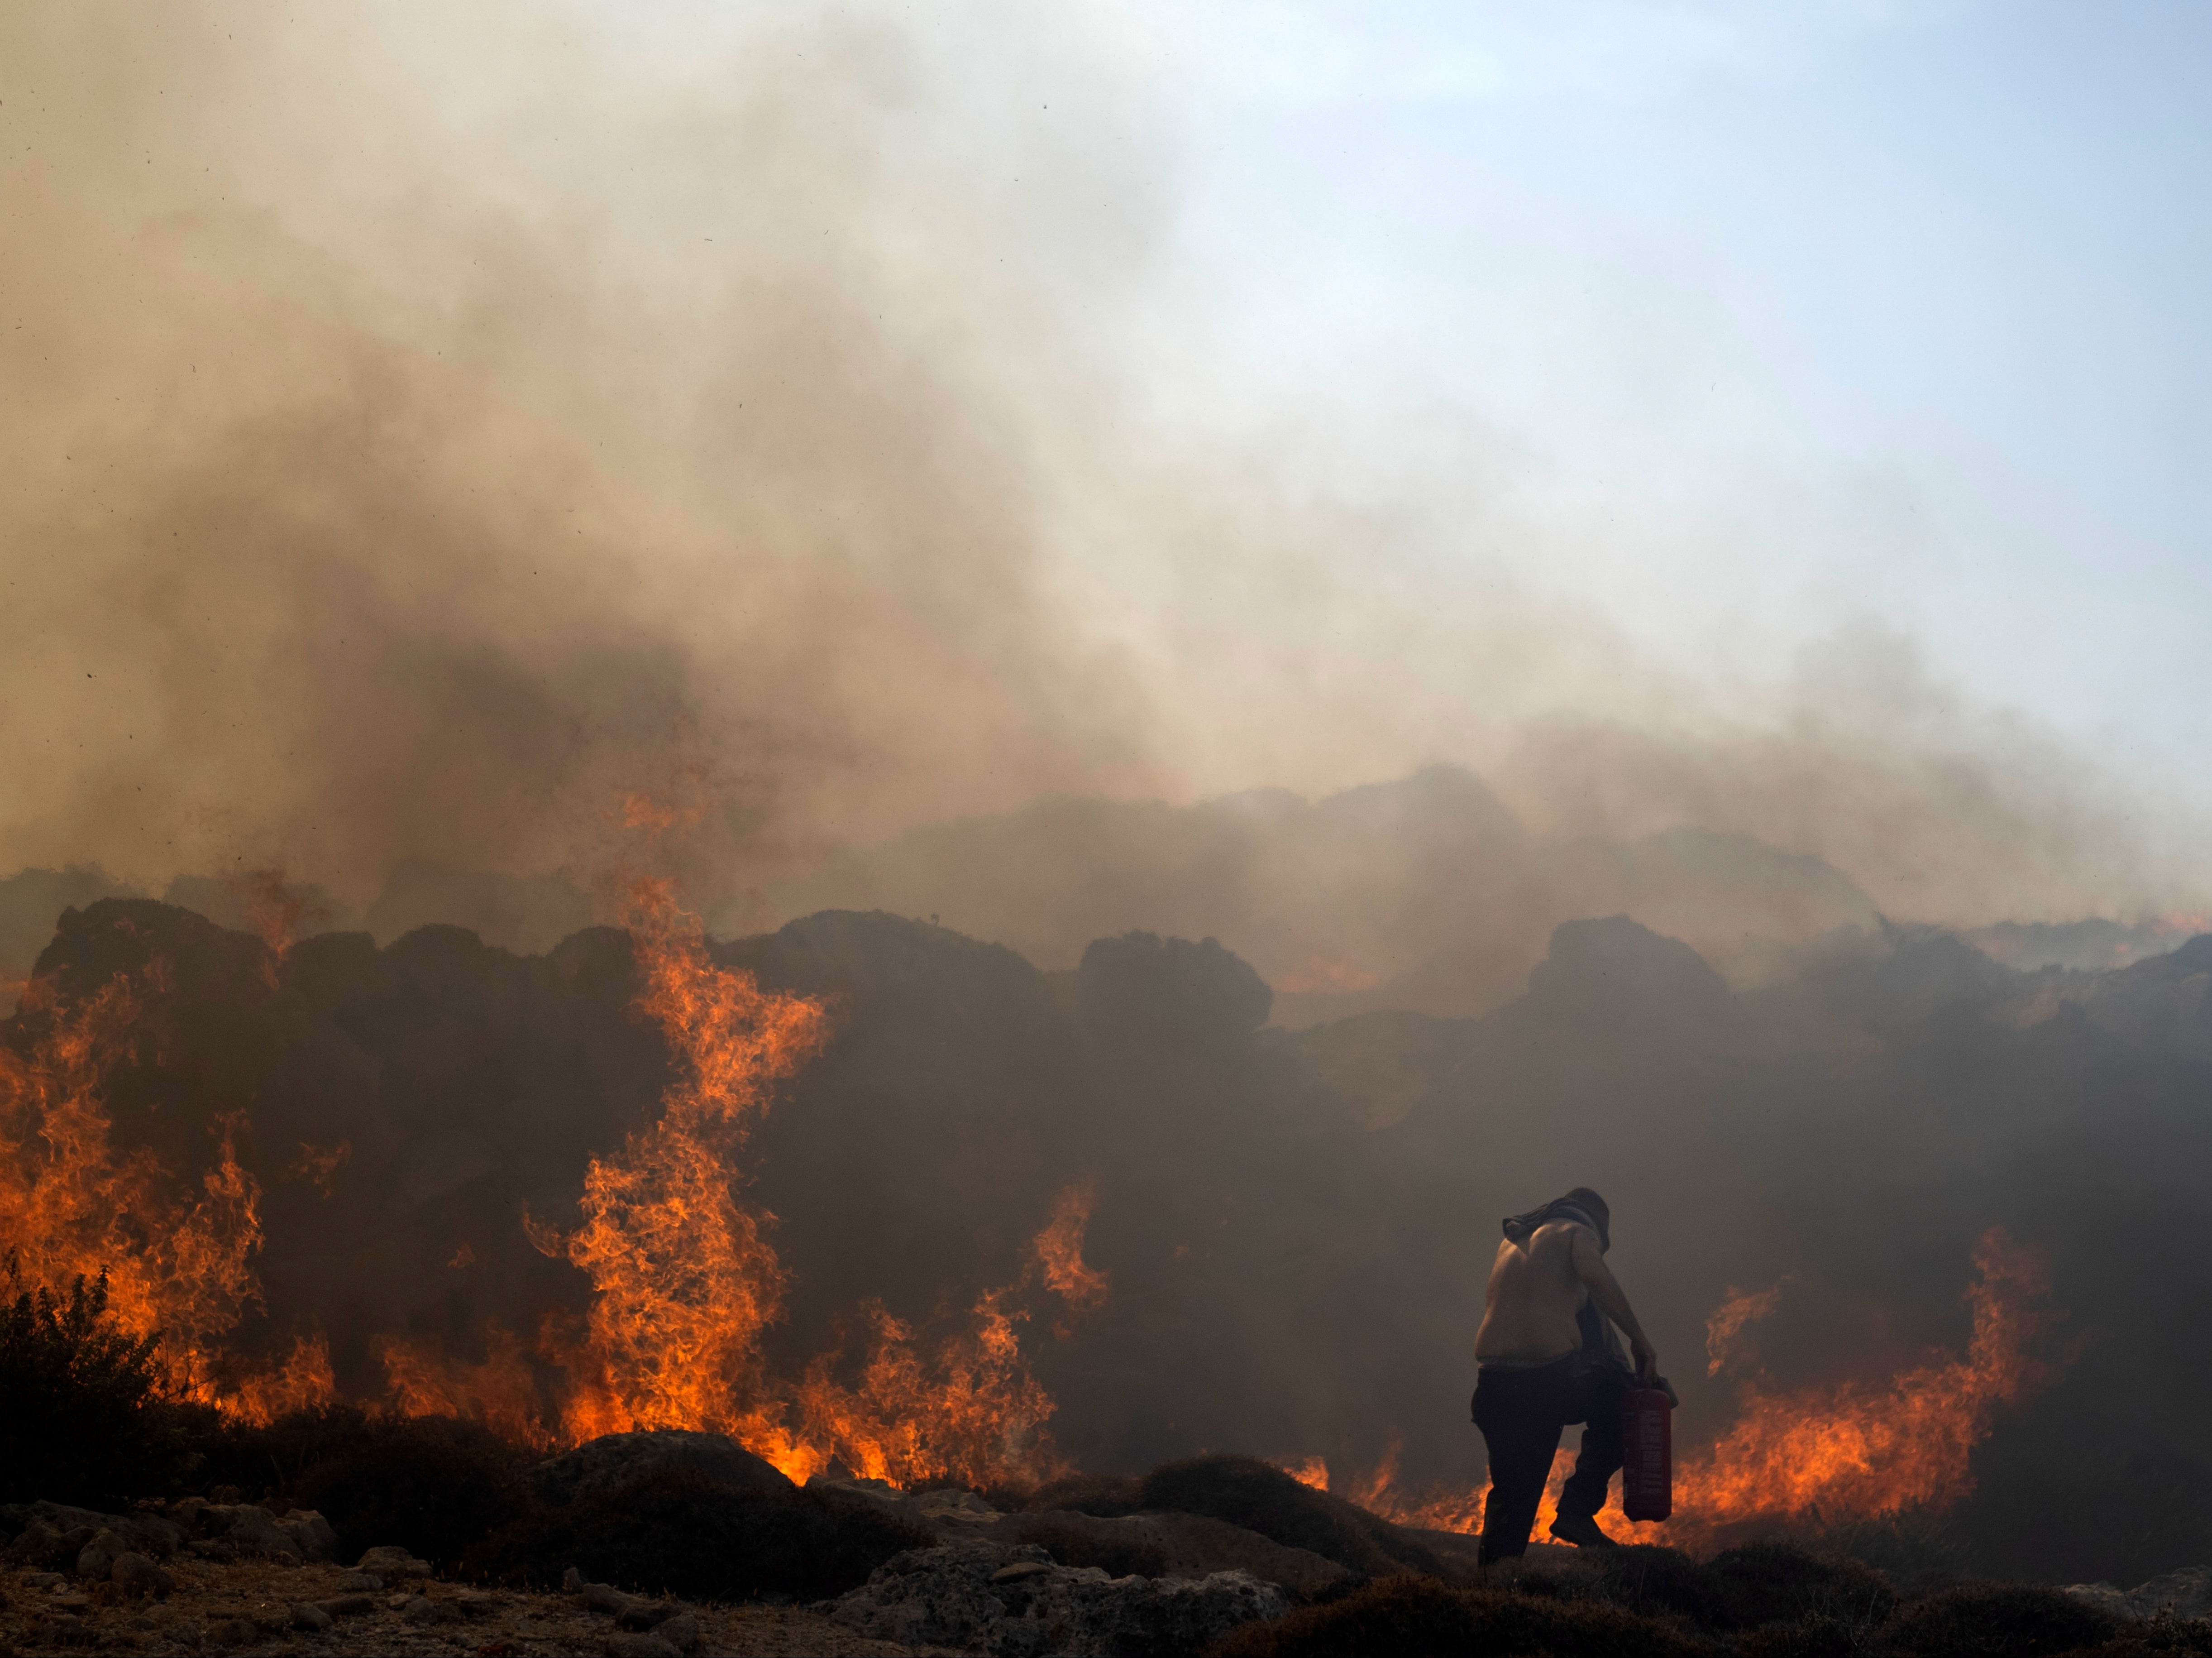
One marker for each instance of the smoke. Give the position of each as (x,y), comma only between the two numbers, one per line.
(425,427)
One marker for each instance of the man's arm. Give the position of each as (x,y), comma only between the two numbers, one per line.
(1605,1290)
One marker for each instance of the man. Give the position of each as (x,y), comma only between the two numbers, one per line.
(1545,1356)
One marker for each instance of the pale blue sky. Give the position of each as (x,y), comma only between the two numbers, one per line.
(1765,318)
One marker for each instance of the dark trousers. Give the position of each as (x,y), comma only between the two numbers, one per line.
(1522,1414)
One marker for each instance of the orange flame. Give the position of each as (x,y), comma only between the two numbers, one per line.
(304,1381)
(1742,1307)
(1849,1451)
(71,1203)
(1058,1252)
(319,1164)
(500,1392)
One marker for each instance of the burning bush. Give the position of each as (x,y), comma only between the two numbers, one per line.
(679,1531)
(1418,1616)
(434,1485)
(1260,1497)
(86,1414)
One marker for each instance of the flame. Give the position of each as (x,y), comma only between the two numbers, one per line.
(1847,1452)
(303,1381)
(1740,1308)
(1322,975)
(72,1203)
(685,1280)
(500,1392)
(319,1164)
(1311,1471)
(277,912)
(1058,1252)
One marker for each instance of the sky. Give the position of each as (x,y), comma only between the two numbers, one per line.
(1766,319)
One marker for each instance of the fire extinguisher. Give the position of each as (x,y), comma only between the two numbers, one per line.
(1647,1478)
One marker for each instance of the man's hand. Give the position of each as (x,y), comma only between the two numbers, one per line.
(1647,1361)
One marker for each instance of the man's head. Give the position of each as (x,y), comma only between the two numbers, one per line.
(1581,1204)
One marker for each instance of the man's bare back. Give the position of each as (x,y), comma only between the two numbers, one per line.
(1538,1286)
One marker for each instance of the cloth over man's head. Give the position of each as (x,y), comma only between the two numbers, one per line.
(1581,1204)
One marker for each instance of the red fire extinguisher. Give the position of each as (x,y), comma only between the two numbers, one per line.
(1647,1478)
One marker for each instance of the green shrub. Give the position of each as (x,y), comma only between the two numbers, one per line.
(1997,1620)
(435,1486)
(1421,1618)
(678,1532)
(1117,1555)
(1260,1497)
(86,1415)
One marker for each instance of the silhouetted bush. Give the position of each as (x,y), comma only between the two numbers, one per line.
(1421,1618)
(1260,1497)
(1781,1583)
(274,1456)
(678,1532)
(432,1484)
(85,1412)
(1997,1620)
(1108,1497)
(1809,1637)
(1652,1582)
(2162,1637)
(1073,1546)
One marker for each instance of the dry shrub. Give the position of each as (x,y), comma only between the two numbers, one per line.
(1654,1582)
(1997,1620)
(275,1457)
(1808,1637)
(1117,1555)
(86,1414)
(1421,1618)
(1106,1497)
(1260,1497)
(431,1484)
(1781,1583)
(2163,1636)
(681,1532)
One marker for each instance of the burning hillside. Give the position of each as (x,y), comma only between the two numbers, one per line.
(875,1198)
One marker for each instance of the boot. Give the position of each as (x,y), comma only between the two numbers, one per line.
(1582,1531)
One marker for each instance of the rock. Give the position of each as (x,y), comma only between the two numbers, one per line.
(965,1594)
(147,1533)
(233,1632)
(881,1493)
(388,1563)
(572,1581)
(2184,1594)
(310,1533)
(134,1574)
(347,1606)
(613,1459)
(251,1529)
(959,1507)
(312,1618)
(97,1558)
(682,1632)
(42,1545)
(62,1630)
(42,1580)
(421,1609)
(361,1582)
(641,1646)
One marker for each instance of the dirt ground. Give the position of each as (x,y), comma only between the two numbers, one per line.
(249,1607)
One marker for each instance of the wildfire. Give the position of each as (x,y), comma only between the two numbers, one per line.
(1740,1308)
(1058,1251)
(72,1203)
(1849,1451)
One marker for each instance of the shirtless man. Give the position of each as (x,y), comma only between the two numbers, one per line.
(1545,1357)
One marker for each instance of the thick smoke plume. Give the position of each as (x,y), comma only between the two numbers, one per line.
(423,428)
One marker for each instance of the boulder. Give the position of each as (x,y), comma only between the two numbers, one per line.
(390,1562)
(135,1575)
(615,1460)
(2184,1593)
(1015,1603)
